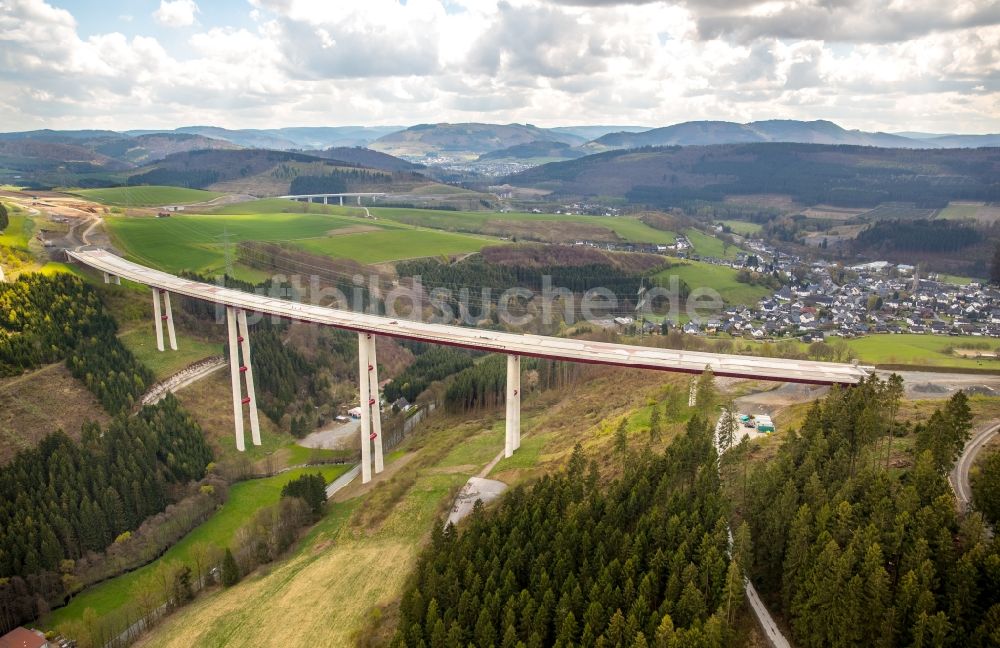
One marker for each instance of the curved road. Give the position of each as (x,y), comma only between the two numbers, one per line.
(959,476)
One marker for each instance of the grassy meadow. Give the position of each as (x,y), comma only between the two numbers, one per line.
(339,586)
(708,246)
(147,195)
(245,498)
(624,228)
(743,228)
(697,274)
(196,241)
(141,341)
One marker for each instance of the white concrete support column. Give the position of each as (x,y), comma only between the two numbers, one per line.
(359,201)
(365,389)
(107,278)
(517,402)
(234,373)
(376,408)
(508,442)
(341,201)
(116,280)
(158,318)
(325,198)
(247,370)
(168,317)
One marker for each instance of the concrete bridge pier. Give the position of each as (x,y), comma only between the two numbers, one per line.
(376,421)
(359,201)
(161,316)
(239,339)
(371,417)
(341,201)
(512,438)
(325,198)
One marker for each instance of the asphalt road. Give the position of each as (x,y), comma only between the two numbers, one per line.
(959,477)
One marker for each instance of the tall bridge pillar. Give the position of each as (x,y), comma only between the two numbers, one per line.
(166,315)
(512,439)
(341,201)
(239,340)
(371,417)
(325,198)
(359,201)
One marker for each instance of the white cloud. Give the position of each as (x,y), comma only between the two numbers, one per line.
(176,13)
(316,62)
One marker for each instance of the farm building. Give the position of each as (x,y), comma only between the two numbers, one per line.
(23,638)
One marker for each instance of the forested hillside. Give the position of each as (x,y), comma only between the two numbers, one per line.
(851,176)
(48,319)
(574,560)
(854,552)
(64,500)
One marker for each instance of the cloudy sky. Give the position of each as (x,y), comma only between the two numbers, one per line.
(896,65)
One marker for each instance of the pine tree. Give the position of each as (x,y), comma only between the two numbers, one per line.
(230,571)
(728,425)
(655,425)
(705,393)
(621,440)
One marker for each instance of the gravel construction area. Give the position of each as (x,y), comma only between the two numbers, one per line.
(477,488)
(923,385)
(339,436)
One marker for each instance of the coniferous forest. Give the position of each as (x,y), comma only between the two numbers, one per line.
(60,317)
(572,560)
(855,553)
(65,499)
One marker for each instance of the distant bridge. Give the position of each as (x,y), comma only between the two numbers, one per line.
(513,345)
(326,197)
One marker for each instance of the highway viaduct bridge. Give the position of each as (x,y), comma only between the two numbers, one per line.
(513,345)
(327,196)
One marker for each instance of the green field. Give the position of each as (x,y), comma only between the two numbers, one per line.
(245,498)
(141,341)
(147,195)
(625,227)
(917,349)
(959,211)
(955,279)
(708,246)
(394,245)
(281,206)
(743,228)
(697,274)
(18,231)
(195,242)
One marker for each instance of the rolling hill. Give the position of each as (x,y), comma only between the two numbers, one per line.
(465,141)
(367,157)
(704,133)
(850,176)
(303,137)
(534,150)
(88,158)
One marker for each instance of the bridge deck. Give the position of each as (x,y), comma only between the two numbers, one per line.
(539,346)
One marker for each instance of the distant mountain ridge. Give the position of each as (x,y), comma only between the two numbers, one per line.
(283,139)
(466,140)
(707,133)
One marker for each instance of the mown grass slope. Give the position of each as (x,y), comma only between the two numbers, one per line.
(147,195)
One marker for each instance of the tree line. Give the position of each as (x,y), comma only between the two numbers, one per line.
(574,560)
(47,319)
(66,499)
(937,235)
(436,363)
(337,181)
(853,551)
